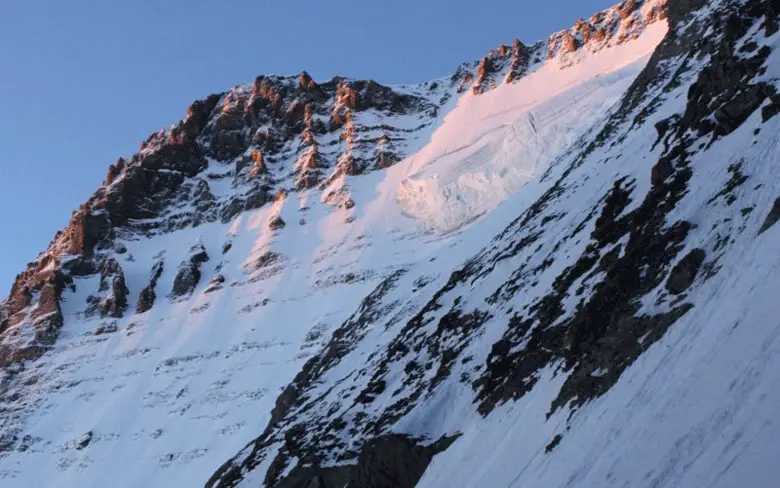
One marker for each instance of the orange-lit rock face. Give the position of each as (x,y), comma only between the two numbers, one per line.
(258,163)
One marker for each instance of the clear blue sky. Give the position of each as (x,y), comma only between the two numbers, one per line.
(82,82)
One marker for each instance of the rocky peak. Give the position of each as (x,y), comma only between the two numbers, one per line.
(604,29)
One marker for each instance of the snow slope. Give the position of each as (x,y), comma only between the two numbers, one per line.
(492,144)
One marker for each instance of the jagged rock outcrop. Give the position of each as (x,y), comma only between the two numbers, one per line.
(390,460)
(112,278)
(148,295)
(509,62)
(87,228)
(608,28)
(684,273)
(277,223)
(215,284)
(188,276)
(772,217)
(47,315)
(110,299)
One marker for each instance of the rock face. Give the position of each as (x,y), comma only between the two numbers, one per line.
(47,315)
(683,274)
(391,460)
(772,217)
(115,304)
(276,223)
(614,308)
(87,229)
(188,276)
(148,295)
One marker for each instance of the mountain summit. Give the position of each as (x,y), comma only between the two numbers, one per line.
(553,268)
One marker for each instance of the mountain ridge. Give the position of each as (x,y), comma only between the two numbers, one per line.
(618,24)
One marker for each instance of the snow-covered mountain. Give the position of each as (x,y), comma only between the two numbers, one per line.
(554,268)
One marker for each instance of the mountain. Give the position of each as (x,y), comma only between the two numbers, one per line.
(554,268)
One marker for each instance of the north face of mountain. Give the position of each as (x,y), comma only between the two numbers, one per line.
(552,268)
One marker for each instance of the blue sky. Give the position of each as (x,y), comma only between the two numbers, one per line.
(82,82)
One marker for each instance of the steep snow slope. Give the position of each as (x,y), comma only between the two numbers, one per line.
(254,271)
(493,143)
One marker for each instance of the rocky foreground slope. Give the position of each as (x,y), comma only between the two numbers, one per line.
(554,268)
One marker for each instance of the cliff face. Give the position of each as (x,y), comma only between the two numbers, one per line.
(533,272)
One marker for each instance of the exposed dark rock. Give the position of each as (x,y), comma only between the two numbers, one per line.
(197,118)
(215,284)
(257,198)
(10,355)
(234,207)
(80,266)
(770,111)
(684,273)
(86,229)
(146,299)
(20,297)
(310,175)
(228,135)
(188,276)
(105,329)
(148,295)
(662,170)
(772,217)
(734,112)
(276,223)
(553,443)
(48,314)
(390,460)
(484,70)
(115,170)
(115,302)
(311,87)
(84,441)
(255,161)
